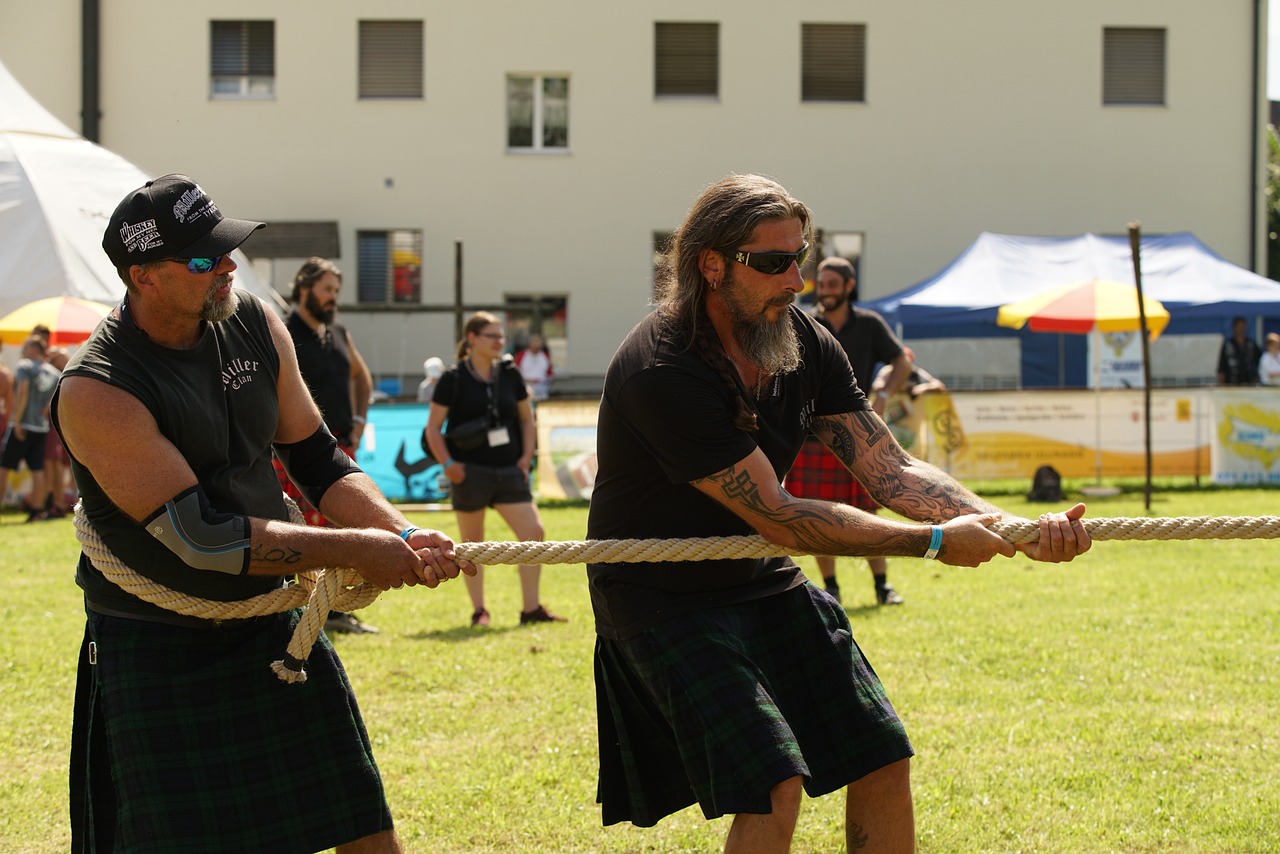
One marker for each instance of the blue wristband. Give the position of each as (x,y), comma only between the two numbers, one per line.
(935,543)
(446,463)
(404,535)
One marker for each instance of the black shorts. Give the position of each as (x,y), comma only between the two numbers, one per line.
(29,449)
(485,486)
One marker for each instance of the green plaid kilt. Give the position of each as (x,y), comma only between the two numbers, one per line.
(184,740)
(719,706)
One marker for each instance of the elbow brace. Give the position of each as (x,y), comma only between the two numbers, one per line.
(201,536)
(316,463)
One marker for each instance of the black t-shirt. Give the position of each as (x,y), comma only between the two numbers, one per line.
(472,399)
(667,418)
(325,365)
(867,341)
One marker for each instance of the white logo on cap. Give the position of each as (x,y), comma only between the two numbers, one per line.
(141,237)
(182,210)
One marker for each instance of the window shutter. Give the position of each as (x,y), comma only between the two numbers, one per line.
(391,59)
(834,62)
(240,48)
(374,259)
(1133,65)
(686,59)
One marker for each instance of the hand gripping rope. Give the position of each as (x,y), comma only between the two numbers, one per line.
(317,592)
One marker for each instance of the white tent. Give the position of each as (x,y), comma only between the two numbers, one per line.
(57,190)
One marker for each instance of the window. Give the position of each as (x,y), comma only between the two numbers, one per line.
(391,59)
(833,62)
(686,59)
(389,266)
(537,113)
(1133,60)
(242,59)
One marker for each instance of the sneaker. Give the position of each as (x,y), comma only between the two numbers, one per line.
(56,513)
(349,624)
(834,590)
(37,515)
(480,619)
(540,614)
(888,596)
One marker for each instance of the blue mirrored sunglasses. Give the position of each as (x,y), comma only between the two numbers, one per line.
(198,265)
(769,263)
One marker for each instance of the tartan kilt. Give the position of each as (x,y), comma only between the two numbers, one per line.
(184,740)
(719,706)
(818,473)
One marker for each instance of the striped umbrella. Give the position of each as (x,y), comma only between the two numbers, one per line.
(1096,305)
(70,320)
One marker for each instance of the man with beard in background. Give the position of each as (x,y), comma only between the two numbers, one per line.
(339,381)
(732,683)
(867,341)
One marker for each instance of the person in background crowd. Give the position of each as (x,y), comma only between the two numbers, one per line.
(919,381)
(339,381)
(867,341)
(34,382)
(735,683)
(6,407)
(484,393)
(1269,364)
(432,369)
(57,465)
(534,363)
(1239,357)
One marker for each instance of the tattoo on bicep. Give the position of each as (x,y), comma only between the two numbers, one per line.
(275,555)
(873,428)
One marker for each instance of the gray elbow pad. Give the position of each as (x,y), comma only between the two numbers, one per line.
(201,536)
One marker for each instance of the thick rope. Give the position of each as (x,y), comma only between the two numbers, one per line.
(341,589)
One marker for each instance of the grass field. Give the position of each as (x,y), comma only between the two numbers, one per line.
(1124,702)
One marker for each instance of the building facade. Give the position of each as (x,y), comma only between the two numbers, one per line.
(532,155)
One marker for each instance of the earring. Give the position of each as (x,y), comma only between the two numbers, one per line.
(715,285)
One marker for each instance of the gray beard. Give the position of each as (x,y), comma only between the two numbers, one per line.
(213,311)
(773,347)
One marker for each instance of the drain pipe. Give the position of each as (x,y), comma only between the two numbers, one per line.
(90,57)
(1255,138)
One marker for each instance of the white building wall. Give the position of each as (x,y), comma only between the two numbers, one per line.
(977,117)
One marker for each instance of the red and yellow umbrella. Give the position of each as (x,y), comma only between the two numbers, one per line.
(1097,305)
(70,320)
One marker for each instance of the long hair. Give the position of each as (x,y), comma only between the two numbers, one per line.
(724,217)
(475,324)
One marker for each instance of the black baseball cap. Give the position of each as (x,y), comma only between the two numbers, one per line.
(171,217)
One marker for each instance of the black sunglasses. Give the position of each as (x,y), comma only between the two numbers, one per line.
(769,263)
(198,265)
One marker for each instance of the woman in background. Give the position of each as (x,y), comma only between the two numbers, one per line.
(485,392)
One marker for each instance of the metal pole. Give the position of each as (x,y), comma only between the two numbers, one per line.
(1135,248)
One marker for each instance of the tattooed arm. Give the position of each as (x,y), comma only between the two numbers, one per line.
(925,493)
(750,489)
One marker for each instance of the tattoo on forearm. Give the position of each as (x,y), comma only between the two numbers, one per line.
(873,428)
(275,555)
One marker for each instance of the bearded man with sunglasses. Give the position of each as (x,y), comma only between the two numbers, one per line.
(734,683)
(183,739)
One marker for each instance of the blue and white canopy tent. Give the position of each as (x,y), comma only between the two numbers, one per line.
(1201,290)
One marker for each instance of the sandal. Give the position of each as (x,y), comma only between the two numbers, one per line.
(480,619)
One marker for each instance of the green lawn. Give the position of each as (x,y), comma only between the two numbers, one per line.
(1125,702)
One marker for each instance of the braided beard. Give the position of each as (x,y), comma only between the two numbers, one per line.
(772,345)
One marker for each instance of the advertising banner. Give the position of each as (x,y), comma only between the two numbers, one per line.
(1246,435)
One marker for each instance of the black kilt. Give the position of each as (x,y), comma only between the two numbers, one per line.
(185,740)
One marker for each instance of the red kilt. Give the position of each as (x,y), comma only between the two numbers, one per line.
(817,473)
